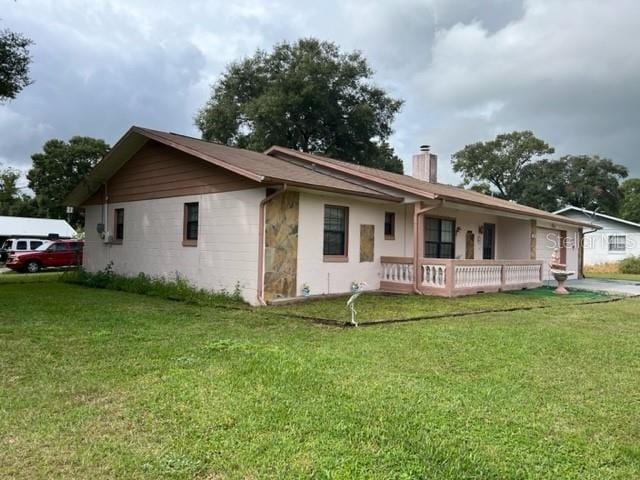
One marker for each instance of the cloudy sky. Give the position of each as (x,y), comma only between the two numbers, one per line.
(567,69)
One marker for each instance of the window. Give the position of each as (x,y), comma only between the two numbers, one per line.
(389,225)
(190,233)
(57,247)
(336,221)
(21,245)
(119,213)
(439,238)
(488,241)
(617,243)
(35,244)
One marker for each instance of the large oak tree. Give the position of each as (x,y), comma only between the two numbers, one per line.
(513,167)
(308,96)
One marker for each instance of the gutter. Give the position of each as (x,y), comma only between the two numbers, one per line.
(261,245)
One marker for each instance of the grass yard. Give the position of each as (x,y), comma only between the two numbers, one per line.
(104,384)
(16,277)
(377,307)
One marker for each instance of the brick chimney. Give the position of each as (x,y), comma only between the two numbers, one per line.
(425,165)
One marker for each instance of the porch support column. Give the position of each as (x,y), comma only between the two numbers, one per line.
(418,212)
(532,237)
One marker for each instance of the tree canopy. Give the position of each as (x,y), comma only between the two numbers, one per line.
(59,168)
(500,162)
(308,96)
(14,64)
(630,206)
(511,167)
(13,201)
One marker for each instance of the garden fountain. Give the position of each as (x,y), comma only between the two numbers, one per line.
(559,272)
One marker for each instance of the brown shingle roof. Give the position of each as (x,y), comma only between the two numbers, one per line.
(257,166)
(429,189)
(275,166)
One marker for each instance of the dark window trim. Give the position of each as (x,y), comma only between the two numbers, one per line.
(337,258)
(117,239)
(440,243)
(190,242)
(392,234)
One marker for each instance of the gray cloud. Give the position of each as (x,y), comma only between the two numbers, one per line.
(568,70)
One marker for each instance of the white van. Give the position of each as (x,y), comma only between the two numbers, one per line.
(21,245)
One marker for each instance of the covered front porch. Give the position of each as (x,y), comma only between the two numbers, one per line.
(452,277)
(462,250)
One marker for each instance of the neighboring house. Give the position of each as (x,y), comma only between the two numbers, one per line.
(27,227)
(616,239)
(163,203)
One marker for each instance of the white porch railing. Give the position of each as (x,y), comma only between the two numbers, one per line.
(472,276)
(434,275)
(398,270)
(519,274)
(458,277)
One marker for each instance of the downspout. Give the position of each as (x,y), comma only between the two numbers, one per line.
(263,203)
(581,237)
(416,242)
(105,212)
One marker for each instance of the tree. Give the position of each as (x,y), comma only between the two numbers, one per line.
(590,181)
(14,64)
(12,201)
(307,96)
(500,162)
(59,168)
(630,206)
(585,181)
(511,167)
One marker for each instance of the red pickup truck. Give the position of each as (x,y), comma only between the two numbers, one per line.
(61,253)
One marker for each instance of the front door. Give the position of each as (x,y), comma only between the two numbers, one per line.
(488,241)
(470,245)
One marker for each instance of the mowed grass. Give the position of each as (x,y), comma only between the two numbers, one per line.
(373,307)
(633,277)
(104,384)
(17,277)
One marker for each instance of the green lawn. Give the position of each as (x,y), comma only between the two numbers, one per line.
(104,384)
(16,277)
(376,307)
(614,276)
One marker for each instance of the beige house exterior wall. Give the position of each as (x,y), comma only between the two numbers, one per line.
(227,249)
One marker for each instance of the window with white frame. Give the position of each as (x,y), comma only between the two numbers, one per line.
(617,243)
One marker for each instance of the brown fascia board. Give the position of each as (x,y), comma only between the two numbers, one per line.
(320,161)
(313,186)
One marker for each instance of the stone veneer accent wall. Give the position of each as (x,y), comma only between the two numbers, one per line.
(367,236)
(281,246)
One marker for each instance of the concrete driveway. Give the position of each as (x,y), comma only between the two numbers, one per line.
(613,287)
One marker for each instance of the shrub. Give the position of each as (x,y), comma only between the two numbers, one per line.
(630,265)
(178,289)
